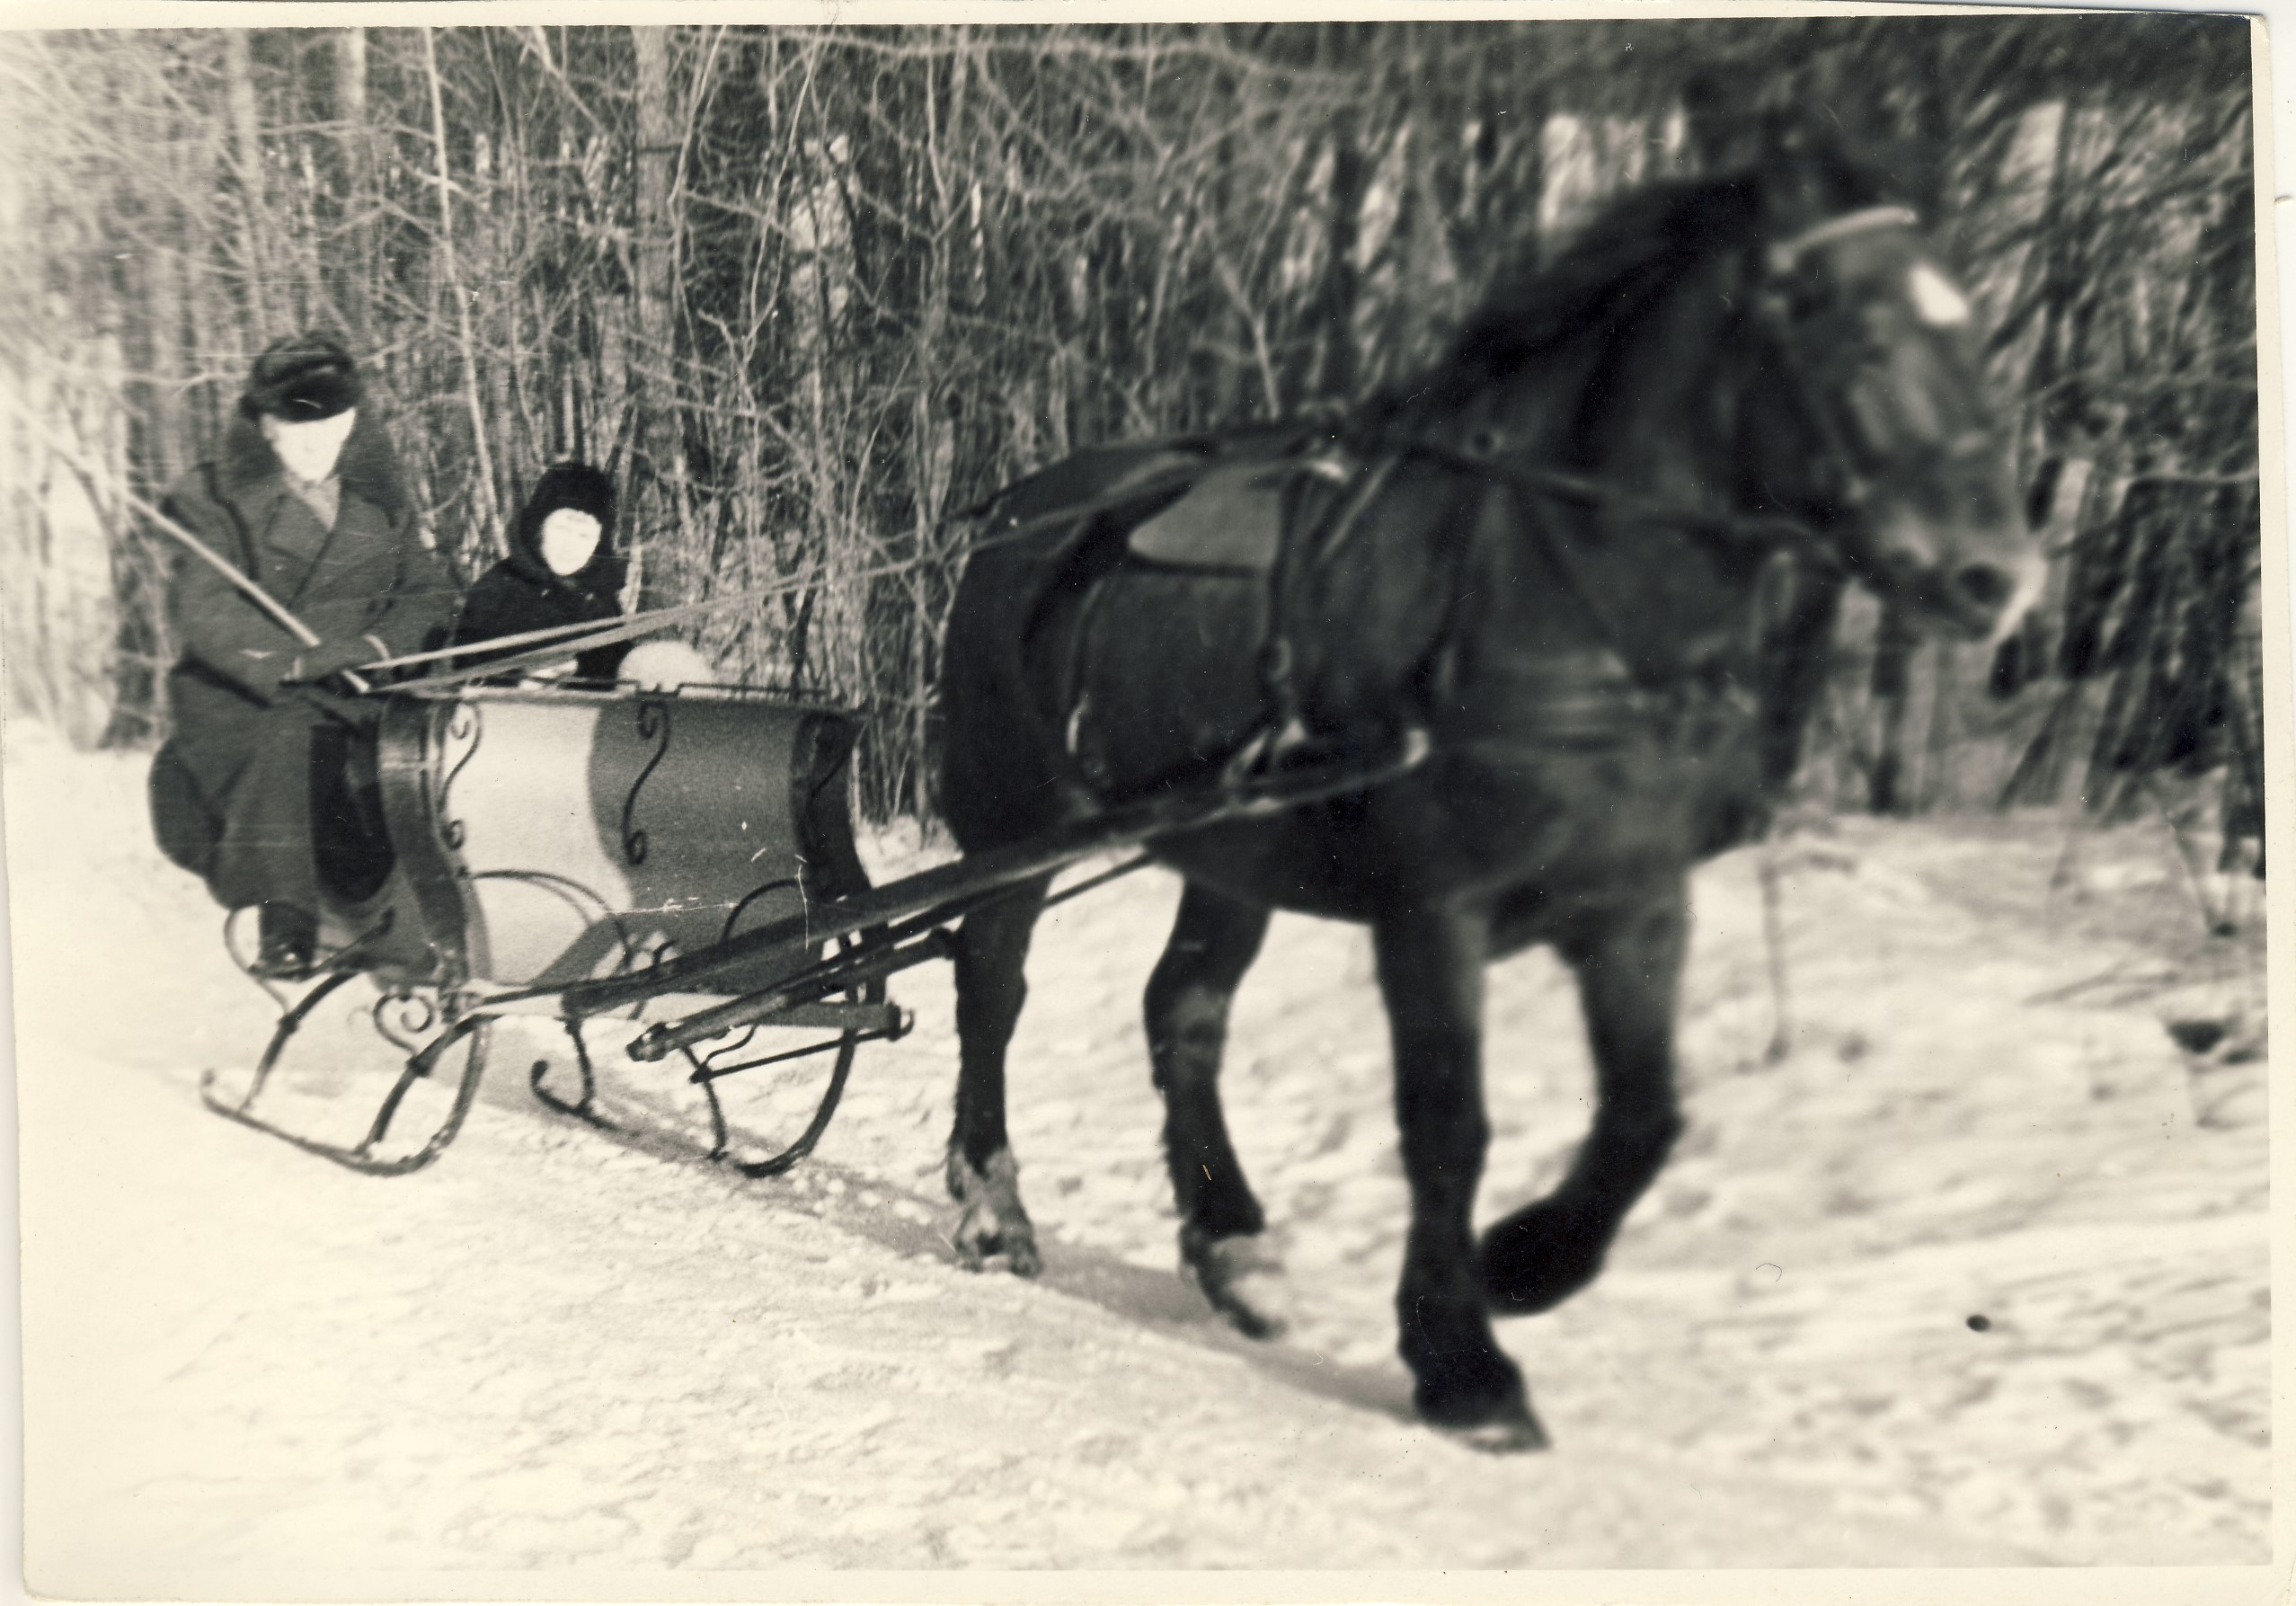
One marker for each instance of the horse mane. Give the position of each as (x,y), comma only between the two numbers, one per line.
(1628,257)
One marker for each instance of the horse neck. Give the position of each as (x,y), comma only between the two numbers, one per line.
(1645,413)
(1649,414)
(1678,443)
(1659,416)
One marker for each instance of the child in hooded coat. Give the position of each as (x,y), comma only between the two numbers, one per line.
(562,570)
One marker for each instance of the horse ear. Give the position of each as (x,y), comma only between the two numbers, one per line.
(1789,133)
(1734,126)
(1803,175)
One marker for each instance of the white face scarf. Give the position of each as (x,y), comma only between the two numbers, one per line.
(567,539)
(310,450)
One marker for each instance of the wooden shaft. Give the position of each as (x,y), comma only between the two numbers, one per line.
(658,1041)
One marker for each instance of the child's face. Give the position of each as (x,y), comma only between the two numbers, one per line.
(569,538)
(309,448)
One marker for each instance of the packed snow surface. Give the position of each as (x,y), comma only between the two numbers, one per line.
(1977,1273)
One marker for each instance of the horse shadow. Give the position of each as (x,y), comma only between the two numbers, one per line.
(663,1121)
(1160,1302)
(865,1206)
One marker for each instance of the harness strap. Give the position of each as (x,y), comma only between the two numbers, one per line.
(1358,483)
(564,639)
(1788,252)
(1748,529)
(1286,731)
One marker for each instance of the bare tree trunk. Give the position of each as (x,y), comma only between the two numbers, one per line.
(1342,362)
(1937,790)
(654,436)
(657,149)
(349,262)
(247,155)
(166,436)
(486,505)
(138,569)
(2243,803)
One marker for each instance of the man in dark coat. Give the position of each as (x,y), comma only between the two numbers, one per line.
(562,570)
(305,498)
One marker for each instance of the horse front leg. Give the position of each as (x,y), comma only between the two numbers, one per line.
(1629,966)
(1431,972)
(1214,940)
(991,955)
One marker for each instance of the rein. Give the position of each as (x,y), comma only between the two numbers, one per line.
(1759,530)
(562,641)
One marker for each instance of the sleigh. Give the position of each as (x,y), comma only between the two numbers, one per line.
(676,869)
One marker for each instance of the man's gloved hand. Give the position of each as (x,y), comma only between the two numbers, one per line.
(331,658)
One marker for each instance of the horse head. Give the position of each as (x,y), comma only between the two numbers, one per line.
(1869,420)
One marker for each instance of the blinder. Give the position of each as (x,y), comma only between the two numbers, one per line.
(1854,419)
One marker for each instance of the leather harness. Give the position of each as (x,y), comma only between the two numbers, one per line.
(1486,457)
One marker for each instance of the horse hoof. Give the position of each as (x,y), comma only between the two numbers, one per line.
(1021,1258)
(993,1223)
(982,1236)
(1474,1393)
(1511,1435)
(1495,1419)
(1243,1279)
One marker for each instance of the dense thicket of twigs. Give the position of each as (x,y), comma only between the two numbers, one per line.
(809,291)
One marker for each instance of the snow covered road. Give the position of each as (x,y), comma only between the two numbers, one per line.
(553,1351)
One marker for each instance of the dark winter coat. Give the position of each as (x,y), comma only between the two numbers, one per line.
(229,797)
(522,592)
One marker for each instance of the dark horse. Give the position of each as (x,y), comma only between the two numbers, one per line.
(1590,562)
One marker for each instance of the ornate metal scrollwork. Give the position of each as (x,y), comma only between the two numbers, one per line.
(405,1018)
(653,725)
(462,728)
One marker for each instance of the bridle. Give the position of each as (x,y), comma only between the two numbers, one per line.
(1785,255)
(1851,490)
(1486,453)
(1766,537)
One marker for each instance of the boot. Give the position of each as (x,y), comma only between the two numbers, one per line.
(290,936)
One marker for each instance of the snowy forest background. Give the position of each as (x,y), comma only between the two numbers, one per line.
(811,292)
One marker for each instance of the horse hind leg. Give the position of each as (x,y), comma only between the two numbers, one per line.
(1628,973)
(1214,940)
(991,955)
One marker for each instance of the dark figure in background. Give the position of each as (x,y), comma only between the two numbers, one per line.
(562,570)
(307,498)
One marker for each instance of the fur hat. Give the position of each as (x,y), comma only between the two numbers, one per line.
(302,378)
(575,485)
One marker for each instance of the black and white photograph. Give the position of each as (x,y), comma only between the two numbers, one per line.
(811,804)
